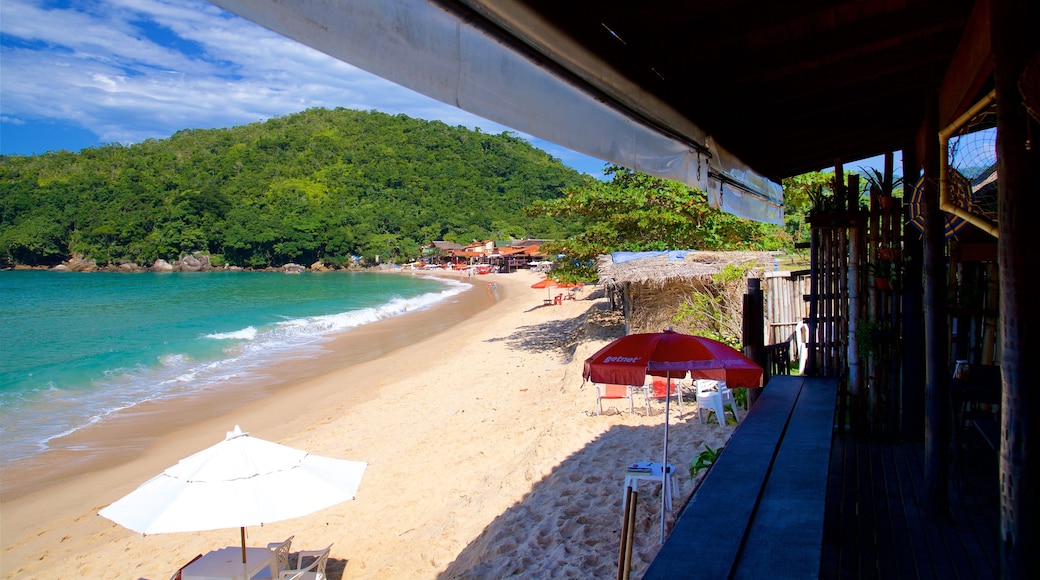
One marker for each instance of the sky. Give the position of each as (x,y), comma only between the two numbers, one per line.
(86,73)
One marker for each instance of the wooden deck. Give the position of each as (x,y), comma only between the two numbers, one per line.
(789,498)
(876,527)
(759,513)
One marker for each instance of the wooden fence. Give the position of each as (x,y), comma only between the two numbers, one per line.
(785,305)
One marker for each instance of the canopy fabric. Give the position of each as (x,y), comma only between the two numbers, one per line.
(431,49)
(673,255)
(550,283)
(627,360)
(241,481)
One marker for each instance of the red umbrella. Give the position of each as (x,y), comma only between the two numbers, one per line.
(550,283)
(627,361)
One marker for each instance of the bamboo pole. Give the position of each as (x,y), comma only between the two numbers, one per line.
(630,536)
(622,570)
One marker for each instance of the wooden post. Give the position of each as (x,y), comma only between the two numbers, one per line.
(857,249)
(626,305)
(623,552)
(937,400)
(913,309)
(628,534)
(814,297)
(1015,41)
(754,333)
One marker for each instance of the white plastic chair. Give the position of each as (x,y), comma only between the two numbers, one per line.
(314,571)
(800,345)
(728,398)
(281,554)
(714,396)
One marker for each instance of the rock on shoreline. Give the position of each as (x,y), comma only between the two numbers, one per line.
(188,263)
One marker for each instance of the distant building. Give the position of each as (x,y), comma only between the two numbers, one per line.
(507,256)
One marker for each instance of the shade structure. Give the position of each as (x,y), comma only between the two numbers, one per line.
(952,224)
(627,361)
(549,283)
(630,358)
(239,482)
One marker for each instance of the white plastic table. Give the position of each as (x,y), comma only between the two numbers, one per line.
(226,564)
(655,473)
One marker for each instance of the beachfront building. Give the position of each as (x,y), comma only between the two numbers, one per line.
(498,256)
(766,91)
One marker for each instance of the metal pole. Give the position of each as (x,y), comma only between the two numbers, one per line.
(664,465)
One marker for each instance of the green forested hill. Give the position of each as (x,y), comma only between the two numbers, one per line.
(317,185)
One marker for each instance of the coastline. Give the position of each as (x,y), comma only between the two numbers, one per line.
(126,434)
(483,457)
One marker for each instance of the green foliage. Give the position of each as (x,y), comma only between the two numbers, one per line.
(716,312)
(803,194)
(871,337)
(741,397)
(874,184)
(638,212)
(317,185)
(705,459)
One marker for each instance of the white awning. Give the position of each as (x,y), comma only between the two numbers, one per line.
(429,49)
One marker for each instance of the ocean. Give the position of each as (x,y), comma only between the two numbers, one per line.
(77,347)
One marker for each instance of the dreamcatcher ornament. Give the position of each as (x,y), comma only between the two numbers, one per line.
(968,170)
(952,224)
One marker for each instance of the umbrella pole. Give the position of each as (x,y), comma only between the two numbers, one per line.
(242,532)
(664,465)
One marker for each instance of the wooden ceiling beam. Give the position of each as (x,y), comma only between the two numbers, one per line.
(970,68)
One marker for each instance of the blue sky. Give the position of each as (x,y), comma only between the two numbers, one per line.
(83,73)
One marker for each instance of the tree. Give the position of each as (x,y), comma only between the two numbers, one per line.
(321,184)
(639,212)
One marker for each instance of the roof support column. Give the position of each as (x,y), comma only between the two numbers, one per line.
(1014,41)
(913,307)
(937,406)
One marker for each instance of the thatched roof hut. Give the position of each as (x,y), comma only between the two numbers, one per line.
(653,287)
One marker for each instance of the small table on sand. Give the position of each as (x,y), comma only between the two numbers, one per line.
(653,472)
(226,564)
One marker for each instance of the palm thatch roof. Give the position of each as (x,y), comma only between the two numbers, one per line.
(660,268)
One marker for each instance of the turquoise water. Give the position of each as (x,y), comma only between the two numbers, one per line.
(76,347)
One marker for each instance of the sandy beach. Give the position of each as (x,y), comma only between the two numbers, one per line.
(485,459)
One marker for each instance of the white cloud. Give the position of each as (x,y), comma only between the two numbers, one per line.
(130,70)
(113,67)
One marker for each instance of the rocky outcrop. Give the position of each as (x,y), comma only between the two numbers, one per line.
(161,265)
(193,263)
(291,268)
(318,267)
(81,264)
(189,264)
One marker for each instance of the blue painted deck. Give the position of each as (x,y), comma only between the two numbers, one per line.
(790,498)
(760,510)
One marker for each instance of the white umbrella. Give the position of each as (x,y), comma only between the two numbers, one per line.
(241,481)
